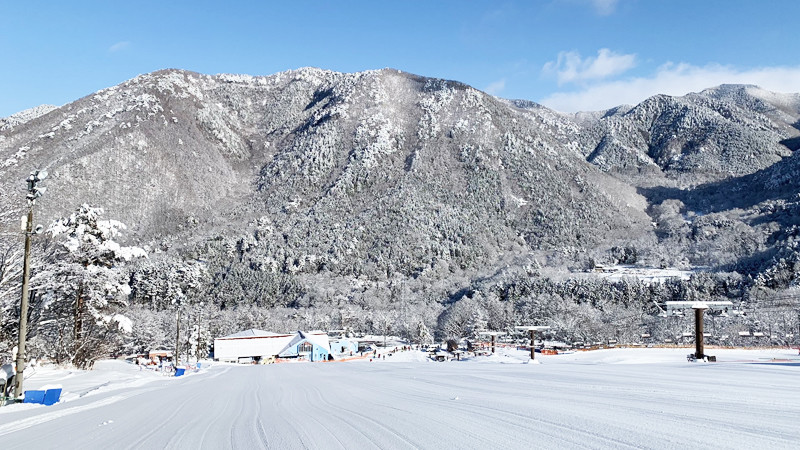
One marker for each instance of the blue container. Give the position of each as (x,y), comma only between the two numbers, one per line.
(179,371)
(198,365)
(34,397)
(51,396)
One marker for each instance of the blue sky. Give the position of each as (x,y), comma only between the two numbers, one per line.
(567,54)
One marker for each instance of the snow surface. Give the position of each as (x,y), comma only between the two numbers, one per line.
(647,274)
(616,398)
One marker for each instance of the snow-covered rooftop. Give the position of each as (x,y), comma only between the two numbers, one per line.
(253,333)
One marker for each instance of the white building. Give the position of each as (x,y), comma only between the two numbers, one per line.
(250,345)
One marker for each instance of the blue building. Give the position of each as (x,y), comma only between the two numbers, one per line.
(344,347)
(313,346)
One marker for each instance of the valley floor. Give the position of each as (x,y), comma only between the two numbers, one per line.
(617,398)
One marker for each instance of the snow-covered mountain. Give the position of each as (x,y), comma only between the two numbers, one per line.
(314,150)
(8,123)
(312,185)
(721,132)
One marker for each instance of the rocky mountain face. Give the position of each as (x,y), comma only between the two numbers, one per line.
(313,186)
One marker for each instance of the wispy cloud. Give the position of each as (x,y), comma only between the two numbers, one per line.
(119,46)
(496,87)
(604,7)
(570,67)
(671,79)
(601,7)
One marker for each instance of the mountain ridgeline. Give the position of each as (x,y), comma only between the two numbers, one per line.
(387,192)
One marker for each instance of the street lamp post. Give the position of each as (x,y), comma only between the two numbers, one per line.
(34,192)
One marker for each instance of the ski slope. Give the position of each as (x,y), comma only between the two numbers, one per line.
(623,398)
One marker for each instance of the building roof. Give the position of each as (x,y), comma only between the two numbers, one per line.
(251,333)
(319,339)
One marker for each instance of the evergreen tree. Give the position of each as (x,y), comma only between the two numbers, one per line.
(423,335)
(83,288)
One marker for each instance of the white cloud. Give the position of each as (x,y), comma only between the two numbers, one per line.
(119,46)
(671,79)
(570,67)
(604,7)
(496,87)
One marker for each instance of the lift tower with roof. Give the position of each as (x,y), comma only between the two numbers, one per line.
(532,331)
(699,308)
(493,334)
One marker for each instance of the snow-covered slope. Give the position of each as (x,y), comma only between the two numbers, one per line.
(587,400)
(14,120)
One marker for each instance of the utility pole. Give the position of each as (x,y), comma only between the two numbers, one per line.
(34,192)
(177,333)
(198,352)
(188,333)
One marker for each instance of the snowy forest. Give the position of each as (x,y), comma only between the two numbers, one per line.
(388,203)
(92,298)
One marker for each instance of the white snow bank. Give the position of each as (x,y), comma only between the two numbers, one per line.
(105,377)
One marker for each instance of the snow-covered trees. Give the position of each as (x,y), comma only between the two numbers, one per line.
(163,281)
(10,281)
(82,288)
(422,335)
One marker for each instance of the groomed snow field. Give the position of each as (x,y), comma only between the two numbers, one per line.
(615,398)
